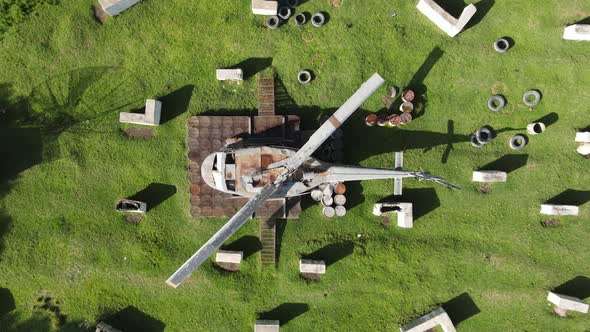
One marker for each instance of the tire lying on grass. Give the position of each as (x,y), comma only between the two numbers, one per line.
(475,142)
(484,135)
(300,19)
(304,77)
(502,45)
(318,19)
(518,142)
(536,98)
(284,13)
(273,22)
(496,103)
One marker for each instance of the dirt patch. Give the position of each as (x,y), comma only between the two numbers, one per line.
(336,3)
(134,218)
(484,188)
(138,132)
(310,276)
(99,14)
(550,222)
(51,306)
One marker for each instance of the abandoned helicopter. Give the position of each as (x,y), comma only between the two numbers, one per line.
(265,172)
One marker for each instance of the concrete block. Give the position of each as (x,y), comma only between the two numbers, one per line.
(584,149)
(566,303)
(311,266)
(265,7)
(559,210)
(583,137)
(489,176)
(151,117)
(450,25)
(266,326)
(115,7)
(438,317)
(229,74)
(577,32)
(404,211)
(225,256)
(128,205)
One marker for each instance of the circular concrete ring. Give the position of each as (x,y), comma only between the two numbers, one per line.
(300,19)
(273,22)
(535,128)
(292,3)
(304,77)
(318,19)
(284,12)
(536,98)
(484,135)
(518,142)
(475,142)
(496,103)
(501,45)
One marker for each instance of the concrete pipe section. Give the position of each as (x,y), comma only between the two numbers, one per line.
(502,45)
(531,98)
(273,22)
(318,19)
(518,142)
(304,76)
(496,102)
(329,212)
(535,128)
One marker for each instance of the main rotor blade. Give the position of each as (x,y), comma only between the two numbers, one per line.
(335,121)
(434,178)
(221,236)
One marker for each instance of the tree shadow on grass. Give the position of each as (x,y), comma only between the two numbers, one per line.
(332,253)
(461,308)
(577,287)
(571,197)
(133,319)
(285,312)
(507,163)
(248,244)
(176,103)
(154,194)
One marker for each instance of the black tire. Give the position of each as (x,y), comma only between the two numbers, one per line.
(272,22)
(284,13)
(502,45)
(318,19)
(475,142)
(292,3)
(484,135)
(535,94)
(304,77)
(518,142)
(499,99)
(300,19)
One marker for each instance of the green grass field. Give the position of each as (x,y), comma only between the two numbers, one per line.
(64,78)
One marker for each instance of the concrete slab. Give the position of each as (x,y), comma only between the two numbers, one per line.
(583,137)
(450,25)
(115,7)
(559,210)
(226,256)
(577,32)
(229,74)
(151,117)
(311,266)
(266,326)
(265,7)
(438,317)
(566,303)
(489,176)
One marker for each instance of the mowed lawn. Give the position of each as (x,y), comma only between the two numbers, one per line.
(64,78)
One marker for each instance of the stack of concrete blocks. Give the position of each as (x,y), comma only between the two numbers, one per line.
(583,138)
(444,20)
(115,7)
(230,257)
(266,326)
(559,210)
(429,322)
(229,74)
(565,303)
(489,176)
(577,32)
(312,267)
(151,117)
(265,7)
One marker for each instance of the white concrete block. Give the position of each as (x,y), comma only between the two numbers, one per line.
(229,74)
(577,32)
(583,137)
(568,302)
(404,211)
(584,149)
(265,7)
(559,210)
(438,317)
(266,326)
(311,266)
(226,256)
(151,117)
(115,7)
(444,20)
(489,176)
